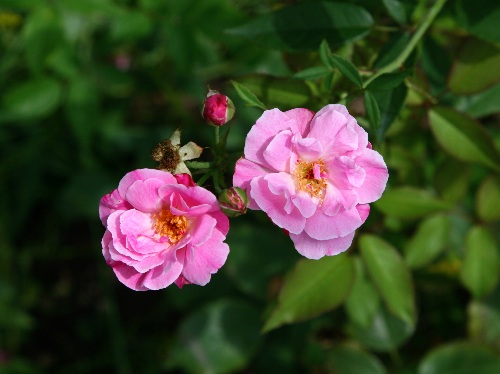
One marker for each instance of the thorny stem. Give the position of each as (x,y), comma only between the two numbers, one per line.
(426,22)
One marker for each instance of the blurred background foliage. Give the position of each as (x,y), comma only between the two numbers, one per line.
(88,88)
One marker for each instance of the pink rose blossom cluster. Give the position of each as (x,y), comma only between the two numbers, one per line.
(313,174)
(162,229)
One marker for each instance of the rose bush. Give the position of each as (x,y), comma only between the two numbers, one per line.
(313,174)
(162,229)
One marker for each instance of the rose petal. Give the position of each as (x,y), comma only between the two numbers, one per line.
(143,174)
(376,176)
(323,227)
(315,249)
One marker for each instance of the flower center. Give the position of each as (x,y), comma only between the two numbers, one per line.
(310,177)
(173,227)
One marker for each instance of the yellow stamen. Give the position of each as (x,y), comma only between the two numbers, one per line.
(304,175)
(169,225)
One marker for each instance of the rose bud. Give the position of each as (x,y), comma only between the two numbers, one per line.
(233,202)
(218,109)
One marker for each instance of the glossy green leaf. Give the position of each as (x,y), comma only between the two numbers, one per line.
(248,96)
(253,252)
(344,359)
(390,103)
(428,242)
(304,25)
(391,49)
(460,358)
(483,324)
(41,34)
(462,137)
(32,99)
(479,18)
(410,202)
(312,73)
(481,266)
(452,180)
(390,275)
(278,93)
(388,81)
(475,68)
(488,199)
(385,333)
(436,64)
(312,288)
(481,104)
(400,10)
(219,338)
(372,110)
(347,69)
(363,301)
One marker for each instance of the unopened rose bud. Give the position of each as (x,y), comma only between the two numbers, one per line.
(218,109)
(233,202)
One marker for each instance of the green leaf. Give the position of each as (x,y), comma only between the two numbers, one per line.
(385,333)
(392,49)
(325,54)
(248,96)
(479,18)
(347,69)
(482,104)
(483,322)
(460,358)
(344,359)
(363,301)
(410,202)
(488,199)
(250,252)
(303,26)
(480,269)
(42,34)
(463,137)
(390,103)
(219,338)
(278,93)
(475,68)
(388,81)
(372,110)
(428,242)
(390,275)
(32,99)
(312,73)
(312,288)
(452,180)
(400,10)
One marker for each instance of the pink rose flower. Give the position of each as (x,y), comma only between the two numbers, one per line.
(313,174)
(218,109)
(162,229)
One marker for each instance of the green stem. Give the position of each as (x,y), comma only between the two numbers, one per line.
(429,18)
(204,178)
(198,164)
(216,138)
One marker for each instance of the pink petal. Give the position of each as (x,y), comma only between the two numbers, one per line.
(305,204)
(376,176)
(323,227)
(308,149)
(344,173)
(165,274)
(222,222)
(129,276)
(181,281)
(274,206)
(200,262)
(143,195)
(188,201)
(277,153)
(244,172)
(301,118)
(143,174)
(315,249)
(201,229)
(364,211)
(184,179)
(120,241)
(110,203)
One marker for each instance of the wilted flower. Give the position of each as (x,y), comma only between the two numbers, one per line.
(218,109)
(314,176)
(233,202)
(171,155)
(162,229)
